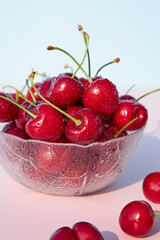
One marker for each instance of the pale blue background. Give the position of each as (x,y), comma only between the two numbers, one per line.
(120,28)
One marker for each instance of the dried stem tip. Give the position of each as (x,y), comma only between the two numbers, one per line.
(66,66)
(80,28)
(31,76)
(116,60)
(86,36)
(50,48)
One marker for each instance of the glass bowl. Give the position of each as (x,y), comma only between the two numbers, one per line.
(66,169)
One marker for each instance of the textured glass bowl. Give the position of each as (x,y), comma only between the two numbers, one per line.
(66,169)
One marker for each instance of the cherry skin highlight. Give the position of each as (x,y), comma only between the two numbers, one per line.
(151,187)
(137,219)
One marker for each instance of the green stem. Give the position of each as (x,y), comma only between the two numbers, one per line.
(62,50)
(77,122)
(130,89)
(156,214)
(20,106)
(104,66)
(19,94)
(88,55)
(29,89)
(25,99)
(67,66)
(156,90)
(82,61)
(122,129)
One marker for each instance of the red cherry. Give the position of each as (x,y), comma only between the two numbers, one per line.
(127,111)
(21,116)
(28,95)
(79,231)
(65,92)
(45,88)
(73,110)
(101,96)
(109,132)
(86,231)
(47,124)
(64,233)
(88,131)
(86,83)
(67,74)
(12,129)
(151,187)
(20,100)
(127,97)
(137,219)
(8,111)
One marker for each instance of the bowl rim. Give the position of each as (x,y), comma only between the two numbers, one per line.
(130,133)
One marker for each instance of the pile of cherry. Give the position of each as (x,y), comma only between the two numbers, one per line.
(65,109)
(136,218)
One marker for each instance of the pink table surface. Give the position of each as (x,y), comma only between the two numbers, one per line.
(26,214)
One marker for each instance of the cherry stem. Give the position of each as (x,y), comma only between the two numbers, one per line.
(20,106)
(122,129)
(29,89)
(67,53)
(156,90)
(67,66)
(25,99)
(19,94)
(116,60)
(130,89)
(156,214)
(31,77)
(88,55)
(82,59)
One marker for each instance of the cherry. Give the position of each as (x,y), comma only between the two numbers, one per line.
(86,83)
(12,129)
(126,97)
(29,96)
(101,96)
(86,231)
(68,74)
(73,110)
(151,187)
(109,132)
(47,123)
(63,233)
(14,96)
(8,111)
(45,88)
(127,111)
(137,218)
(79,231)
(65,92)
(21,116)
(89,129)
